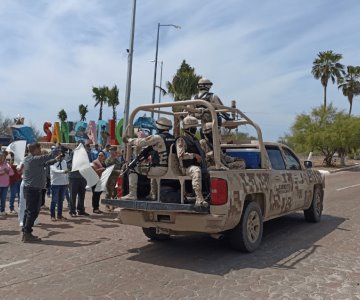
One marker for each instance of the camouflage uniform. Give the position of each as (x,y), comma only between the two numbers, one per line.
(212,99)
(186,150)
(112,181)
(226,160)
(158,143)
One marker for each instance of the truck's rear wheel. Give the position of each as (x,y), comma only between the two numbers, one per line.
(247,235)
(313,213)
(152,235)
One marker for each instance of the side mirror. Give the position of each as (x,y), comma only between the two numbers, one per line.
(308,164)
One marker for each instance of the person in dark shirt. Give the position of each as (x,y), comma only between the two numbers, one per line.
(34,178)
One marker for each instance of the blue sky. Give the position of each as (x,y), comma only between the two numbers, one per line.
(259,53)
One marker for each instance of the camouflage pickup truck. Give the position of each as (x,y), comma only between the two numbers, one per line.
(274,183)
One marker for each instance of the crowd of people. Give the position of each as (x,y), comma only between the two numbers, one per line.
(48,172)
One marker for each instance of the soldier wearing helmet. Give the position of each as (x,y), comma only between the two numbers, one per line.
(160,144)
(204,85)
(191,156)
(207,146)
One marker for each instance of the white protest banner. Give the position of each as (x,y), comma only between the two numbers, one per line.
(18,148)
(101,185)
(81,163)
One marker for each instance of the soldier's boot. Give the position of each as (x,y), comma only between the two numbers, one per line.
(133,181)
(153,191)
(29,238)
(200,203)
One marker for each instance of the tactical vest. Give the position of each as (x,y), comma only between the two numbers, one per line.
(207,117)
(190,148)
(160,158)
(206,96)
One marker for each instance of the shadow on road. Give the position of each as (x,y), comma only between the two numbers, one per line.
(286,242)
(76,243)
(115,225)
(56,225)
(9,232)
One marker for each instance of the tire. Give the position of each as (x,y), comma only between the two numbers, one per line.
(313,213)
(247,235)
(152,235)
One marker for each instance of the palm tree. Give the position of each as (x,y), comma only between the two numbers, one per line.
(350,84)
(62,115)
(184,83)
(182,87)
(100,98)
(113,99)
(326,66)
(83,110)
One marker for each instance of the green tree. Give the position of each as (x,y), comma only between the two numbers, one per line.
(62,115)
(5,124)
(326,131)
(182,87)
(113,99)
(184,82)
(350,84)
(83,110)
(100,98)
(326,66)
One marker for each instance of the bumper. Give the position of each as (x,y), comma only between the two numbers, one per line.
(176,218)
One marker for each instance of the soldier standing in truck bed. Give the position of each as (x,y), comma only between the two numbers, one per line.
(190,157)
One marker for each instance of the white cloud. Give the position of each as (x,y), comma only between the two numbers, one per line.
(257,52)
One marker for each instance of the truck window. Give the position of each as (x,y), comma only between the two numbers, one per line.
(276,159)
(292,161)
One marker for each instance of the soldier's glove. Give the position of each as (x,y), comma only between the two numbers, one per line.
(130,141)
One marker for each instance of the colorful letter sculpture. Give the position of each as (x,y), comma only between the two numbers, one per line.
(119,131)
(80,134)
(47,126)
(91,132)
(64,132)
(55,138)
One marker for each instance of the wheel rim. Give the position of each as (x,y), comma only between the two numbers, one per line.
(318,203)
(253,226)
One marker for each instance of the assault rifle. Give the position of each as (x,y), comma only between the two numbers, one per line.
(144,154)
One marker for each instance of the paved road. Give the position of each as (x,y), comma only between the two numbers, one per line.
(97,258)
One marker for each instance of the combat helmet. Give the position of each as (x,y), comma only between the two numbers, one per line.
(163,124)
(190,122)
(204,84)
(207,128)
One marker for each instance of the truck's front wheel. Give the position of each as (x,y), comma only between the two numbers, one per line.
(152,235)
(313,213)
(247,235)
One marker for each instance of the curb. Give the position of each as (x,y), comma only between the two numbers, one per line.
(344,169)
(326,172)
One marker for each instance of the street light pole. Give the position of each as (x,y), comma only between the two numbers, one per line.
(129,70)
(160,89)
(156,60)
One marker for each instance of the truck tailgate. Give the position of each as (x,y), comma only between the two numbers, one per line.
(155,206)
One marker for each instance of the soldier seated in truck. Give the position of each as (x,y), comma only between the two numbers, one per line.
(160,144)
(191,157)
(208,148)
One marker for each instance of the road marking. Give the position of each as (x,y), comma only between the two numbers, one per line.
(347,187)
(14,263)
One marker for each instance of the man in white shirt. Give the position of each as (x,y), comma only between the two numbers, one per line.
(59,183)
